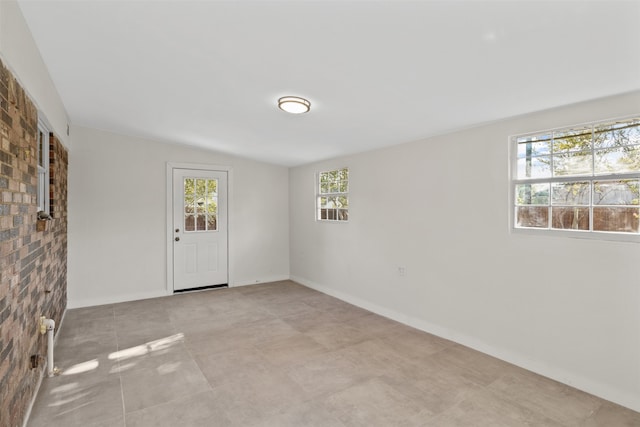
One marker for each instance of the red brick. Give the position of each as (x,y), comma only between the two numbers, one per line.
(25,298)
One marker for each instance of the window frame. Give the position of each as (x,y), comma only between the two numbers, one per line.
(591,178)
(42,195)
(319,194)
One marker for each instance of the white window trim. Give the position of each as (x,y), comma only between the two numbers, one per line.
(43,171)
(560,233)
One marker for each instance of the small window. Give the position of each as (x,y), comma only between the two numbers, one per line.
(200,204)
(333,195)
(583,180)
(43,167)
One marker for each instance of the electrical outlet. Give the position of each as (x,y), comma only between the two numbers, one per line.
(402,271)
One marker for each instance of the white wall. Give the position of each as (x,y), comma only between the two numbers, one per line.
(117,217)
(21,55)
(566,308)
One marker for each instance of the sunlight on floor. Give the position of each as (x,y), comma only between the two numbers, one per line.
(147,348)
(80,368)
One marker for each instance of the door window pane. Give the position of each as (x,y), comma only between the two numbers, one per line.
(200,204)
(189,223)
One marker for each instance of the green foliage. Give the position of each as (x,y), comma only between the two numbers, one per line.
(334,202)
(336,181)
(200,203)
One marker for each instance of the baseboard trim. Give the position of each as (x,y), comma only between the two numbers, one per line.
(587,385)
(114,299)
(258,281)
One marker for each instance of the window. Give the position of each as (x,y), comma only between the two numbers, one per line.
(584,179)
(43,167)
(200,204)
(333,195)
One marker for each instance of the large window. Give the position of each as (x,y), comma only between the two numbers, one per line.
(584,179)
(43,167)
(333,195)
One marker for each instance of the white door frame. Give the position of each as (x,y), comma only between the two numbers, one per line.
(169,218)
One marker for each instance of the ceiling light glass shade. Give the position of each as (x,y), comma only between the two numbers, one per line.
(294,104)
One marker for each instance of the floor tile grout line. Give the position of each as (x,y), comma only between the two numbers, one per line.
(193,359)
(115,332)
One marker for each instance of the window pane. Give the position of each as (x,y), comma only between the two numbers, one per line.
(343,202)
(344,174)
(578,139)
(41,142)
(570,218)
(532,194)
(343,214)
(533,148)
(622,192)
(324,187)
(189,204)
(536,167)
(212,222)
(571,164)
(189,223)
(212,187)
(328,214)
(617,134)
(212,206)
(344,186)
(620,219)
(189,187)
(201,191)
(618,159)
(570,193)
(532,216)
(201,224)
(324,181)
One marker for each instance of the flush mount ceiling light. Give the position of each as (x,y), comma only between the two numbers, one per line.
(294,104)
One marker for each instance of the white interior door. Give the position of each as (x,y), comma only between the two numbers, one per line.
(199,228)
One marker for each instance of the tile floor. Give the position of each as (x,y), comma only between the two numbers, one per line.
(283,355)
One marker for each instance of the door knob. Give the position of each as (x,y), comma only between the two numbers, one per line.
(177,239)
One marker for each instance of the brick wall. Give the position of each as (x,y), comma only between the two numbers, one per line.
(33,264)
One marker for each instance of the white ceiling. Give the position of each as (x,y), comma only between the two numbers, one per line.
(377,73)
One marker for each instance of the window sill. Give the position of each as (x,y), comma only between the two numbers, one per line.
(586,235)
